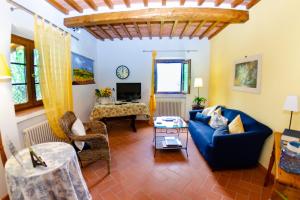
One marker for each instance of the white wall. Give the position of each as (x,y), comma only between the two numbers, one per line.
(111,54)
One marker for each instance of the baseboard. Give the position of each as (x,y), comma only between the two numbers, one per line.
(6,197)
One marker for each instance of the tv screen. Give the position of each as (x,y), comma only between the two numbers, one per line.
(128,91)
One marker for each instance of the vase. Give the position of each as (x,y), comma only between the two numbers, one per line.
(105,100)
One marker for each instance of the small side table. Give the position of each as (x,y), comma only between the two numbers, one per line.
(197,107)
(61,179)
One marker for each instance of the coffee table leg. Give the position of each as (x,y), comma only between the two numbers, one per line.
(154,141)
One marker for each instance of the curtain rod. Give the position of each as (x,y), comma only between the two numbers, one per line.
(172,50)
(33,13)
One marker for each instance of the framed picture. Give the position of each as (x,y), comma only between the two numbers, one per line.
(247,74)
(83,70)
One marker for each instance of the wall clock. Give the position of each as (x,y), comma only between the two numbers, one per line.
(122,72)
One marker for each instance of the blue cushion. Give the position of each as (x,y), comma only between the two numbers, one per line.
(202,118)
(223,130)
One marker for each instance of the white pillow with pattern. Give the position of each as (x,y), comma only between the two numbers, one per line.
(217,121)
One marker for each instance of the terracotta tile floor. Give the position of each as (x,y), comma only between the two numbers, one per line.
(137,175)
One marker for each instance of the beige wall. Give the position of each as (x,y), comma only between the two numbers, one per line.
(273,31)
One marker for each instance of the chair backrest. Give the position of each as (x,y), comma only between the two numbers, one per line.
(2,152)
(66,122)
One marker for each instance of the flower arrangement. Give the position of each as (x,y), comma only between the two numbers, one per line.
(104,92)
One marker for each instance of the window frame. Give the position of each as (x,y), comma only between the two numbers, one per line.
(182,61)
(30,77)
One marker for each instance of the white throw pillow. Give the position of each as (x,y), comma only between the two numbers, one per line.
(218,121)
(78,129)
(209,111)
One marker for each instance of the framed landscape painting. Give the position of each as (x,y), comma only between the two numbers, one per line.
(247,74)
(83,70)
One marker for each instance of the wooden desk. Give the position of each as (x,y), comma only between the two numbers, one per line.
(124,111)
(287,186)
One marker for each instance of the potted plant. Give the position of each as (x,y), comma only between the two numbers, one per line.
(103,95)
(200,101)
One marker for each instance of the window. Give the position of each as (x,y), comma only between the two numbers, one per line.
(172,76)
(25,73)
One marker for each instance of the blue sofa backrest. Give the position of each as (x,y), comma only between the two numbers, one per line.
(249,123)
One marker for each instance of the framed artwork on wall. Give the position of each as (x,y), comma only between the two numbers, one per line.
(83,70)
(247,74)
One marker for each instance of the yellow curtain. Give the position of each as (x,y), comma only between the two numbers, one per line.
(54,48)
(152,102)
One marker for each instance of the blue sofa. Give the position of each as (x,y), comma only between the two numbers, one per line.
(229,150)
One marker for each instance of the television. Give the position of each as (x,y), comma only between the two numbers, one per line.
(128,91)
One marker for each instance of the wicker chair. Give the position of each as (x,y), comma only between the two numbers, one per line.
(96,137)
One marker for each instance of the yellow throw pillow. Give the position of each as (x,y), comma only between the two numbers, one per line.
(236,126)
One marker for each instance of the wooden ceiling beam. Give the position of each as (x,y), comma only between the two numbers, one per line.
(149,30)
(200,2)
(159,14)
(88,29)
(137,29)
(103,32)
(218,2)
(114,30)
(182,2)
(236,3)
(212,26)
(173,29)
(109,4)
(127,3)
(252,3)
(161,29)
(218,31)
(126,31)
(164,2)
(145,3)
(197,29)
(58,6)
(91,4)
(186,27)
(74,5)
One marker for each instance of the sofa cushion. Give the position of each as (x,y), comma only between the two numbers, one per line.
(202,118)
(209,111)
(78,129)
(236,126)
(249,123)
(217,120)
(223,130)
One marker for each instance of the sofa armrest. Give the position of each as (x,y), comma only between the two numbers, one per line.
(193,113)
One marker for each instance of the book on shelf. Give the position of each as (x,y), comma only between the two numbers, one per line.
(172,142)
(290,135)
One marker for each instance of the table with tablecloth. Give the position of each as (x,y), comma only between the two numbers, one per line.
(61,179)
(113,110)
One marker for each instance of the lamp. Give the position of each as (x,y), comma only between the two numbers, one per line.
(291,104)
(198,83)
(4,69)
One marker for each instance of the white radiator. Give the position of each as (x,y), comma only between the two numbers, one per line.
(39,133)
(170,108)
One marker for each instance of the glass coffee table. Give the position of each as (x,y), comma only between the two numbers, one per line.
(170,132)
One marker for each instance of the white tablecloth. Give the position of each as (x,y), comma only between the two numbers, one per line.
(61,179)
